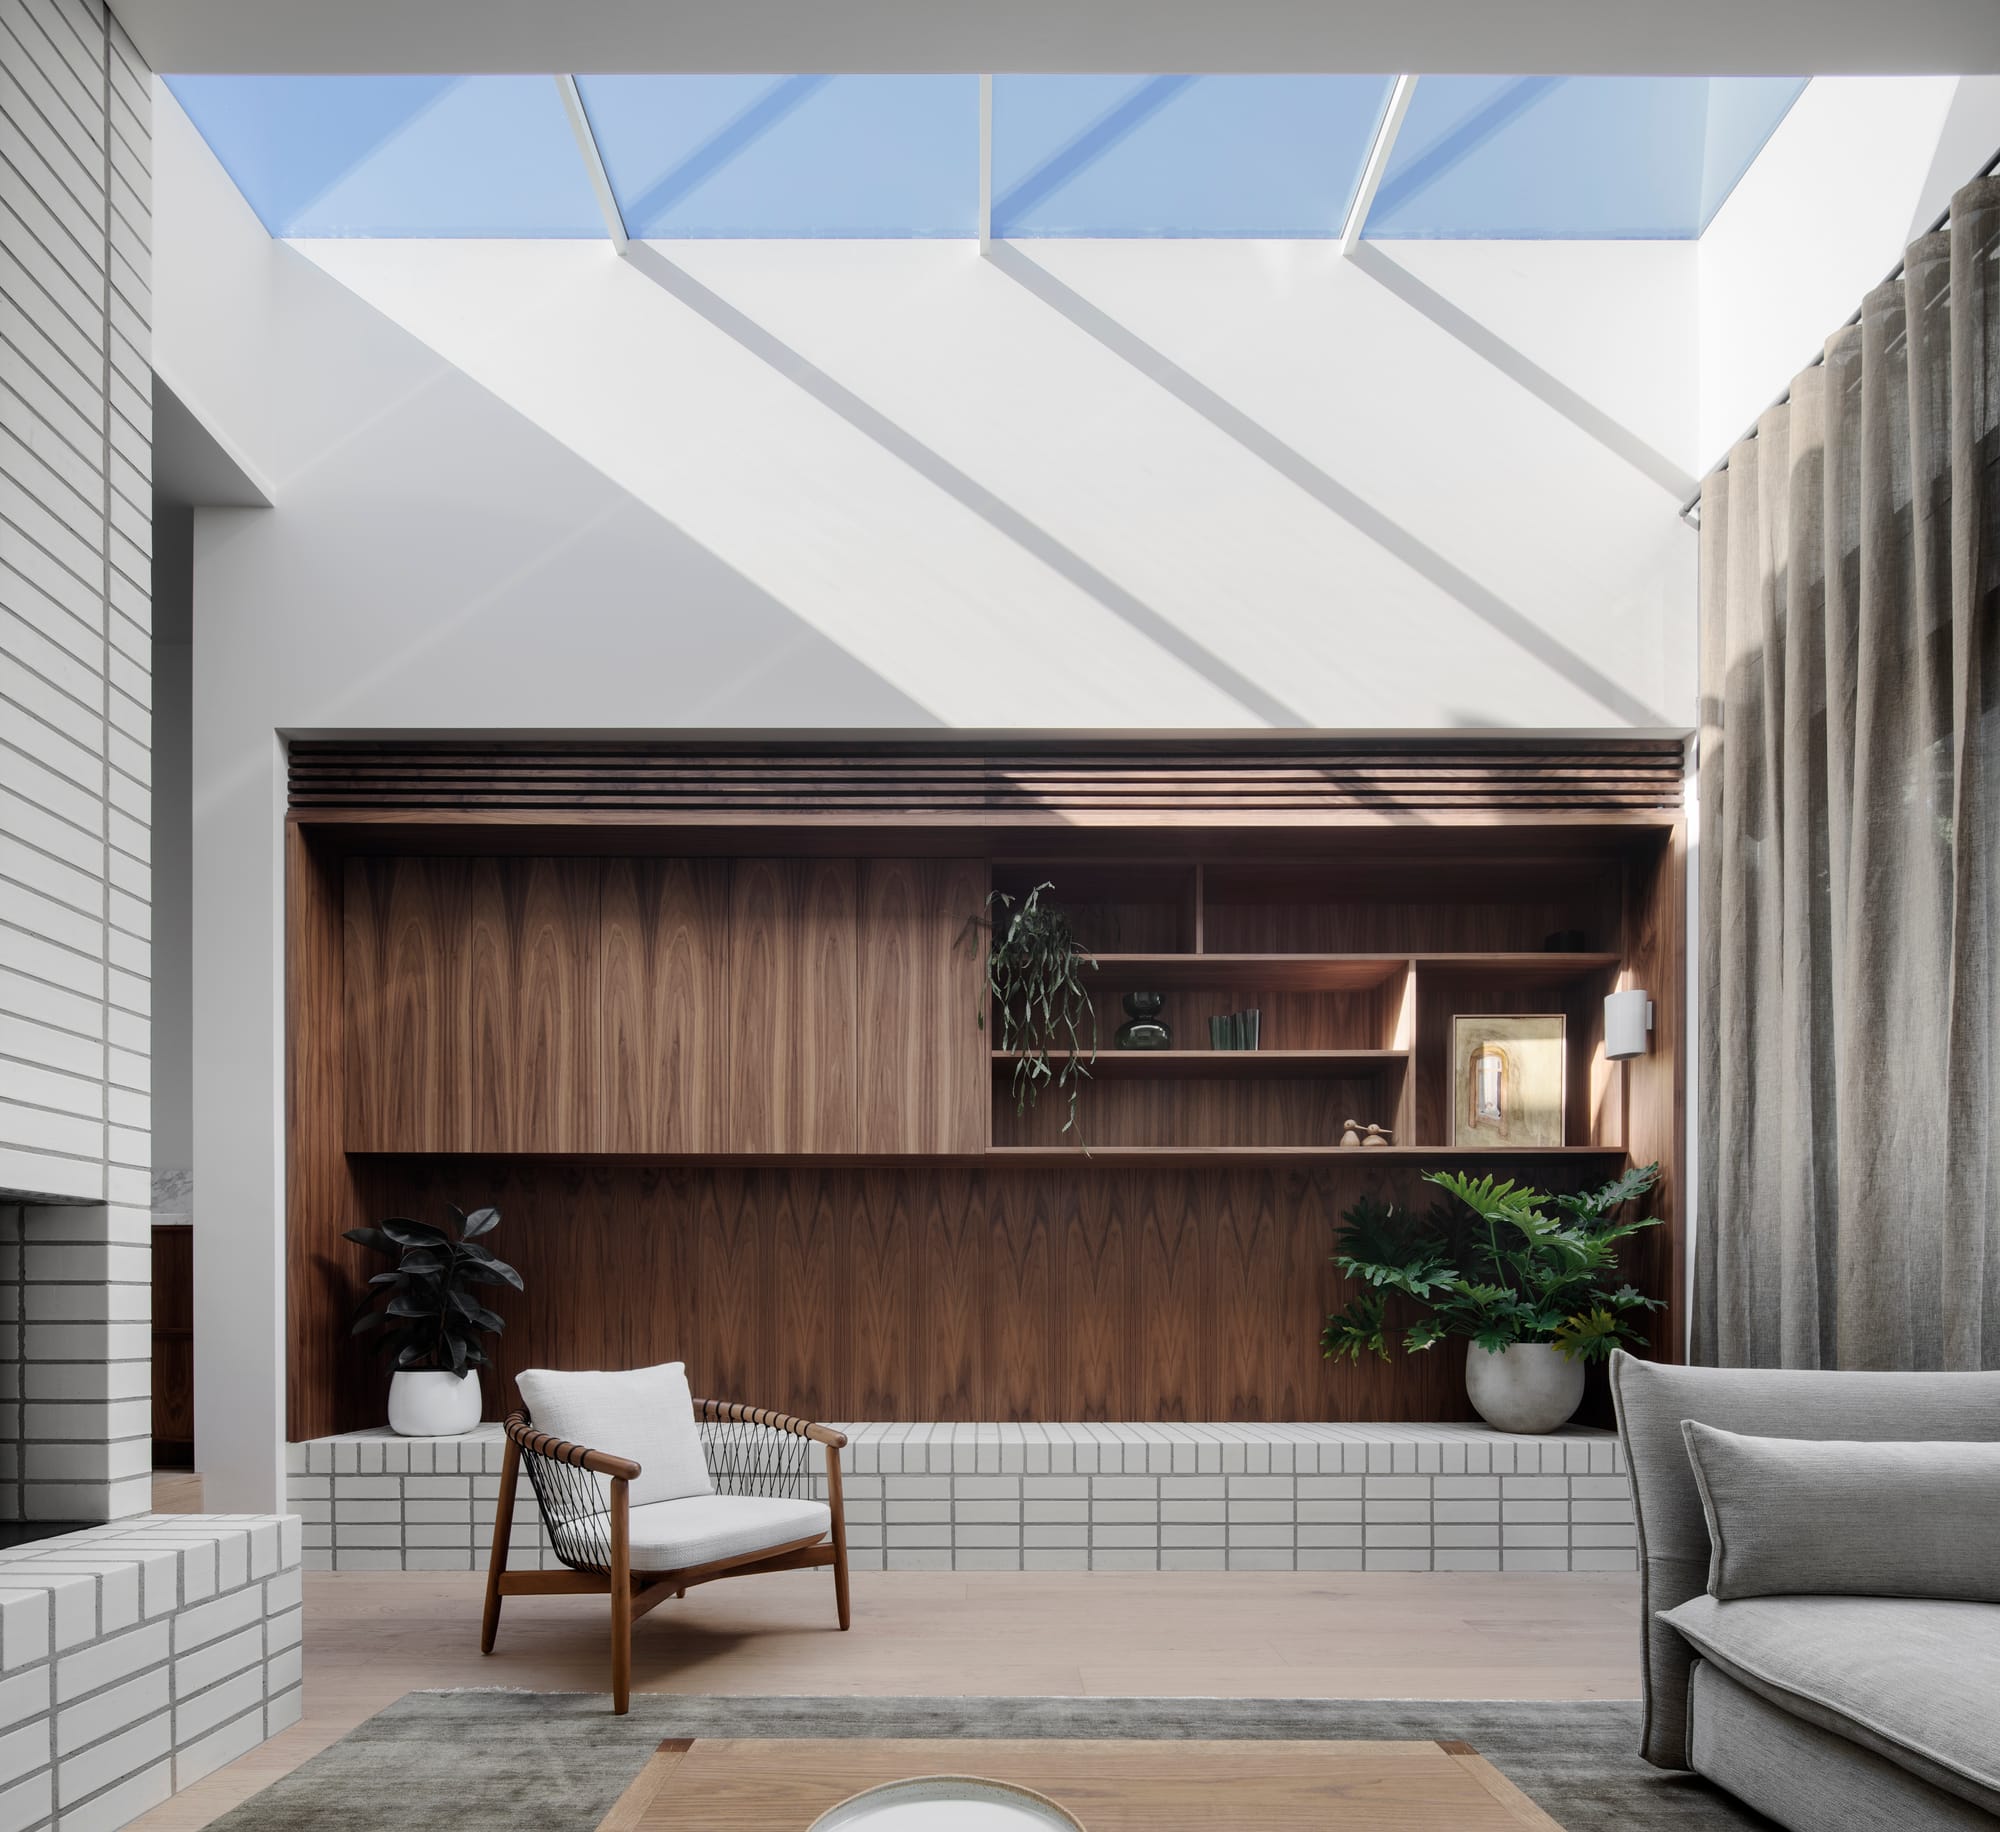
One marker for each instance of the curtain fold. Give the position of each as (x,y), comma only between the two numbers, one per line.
(1849,1202)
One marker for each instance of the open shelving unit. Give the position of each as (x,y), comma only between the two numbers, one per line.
(1347,1031)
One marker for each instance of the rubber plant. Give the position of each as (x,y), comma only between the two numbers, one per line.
(1502,1265)
(1034,968)
(432,1319)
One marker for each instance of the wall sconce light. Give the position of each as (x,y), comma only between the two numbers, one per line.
(1628,1017)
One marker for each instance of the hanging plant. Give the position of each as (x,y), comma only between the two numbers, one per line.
(1034,980)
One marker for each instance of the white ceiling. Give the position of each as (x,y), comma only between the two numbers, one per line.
(191,468)
(1485,37)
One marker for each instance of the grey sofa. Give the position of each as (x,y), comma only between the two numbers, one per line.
(1826,1713)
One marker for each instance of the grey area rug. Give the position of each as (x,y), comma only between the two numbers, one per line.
(490,1761)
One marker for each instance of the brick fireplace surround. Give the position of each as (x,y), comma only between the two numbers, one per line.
(137,1651)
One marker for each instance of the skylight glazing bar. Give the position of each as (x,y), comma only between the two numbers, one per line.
(1378,163)
(985,163)
(593,160)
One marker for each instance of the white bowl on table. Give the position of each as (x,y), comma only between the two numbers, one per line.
(947,1803)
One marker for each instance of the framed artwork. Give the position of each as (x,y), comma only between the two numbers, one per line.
(1508,1074)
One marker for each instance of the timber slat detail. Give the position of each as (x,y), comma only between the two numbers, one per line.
(1302,778)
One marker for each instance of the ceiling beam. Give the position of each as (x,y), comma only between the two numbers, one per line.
(593,161)
(1360,37)
(1378,164)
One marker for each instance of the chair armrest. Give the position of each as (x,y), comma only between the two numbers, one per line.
(731,1411)
(540,1444)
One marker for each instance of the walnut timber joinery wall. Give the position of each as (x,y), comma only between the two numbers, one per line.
(702,1021)
(645,1005)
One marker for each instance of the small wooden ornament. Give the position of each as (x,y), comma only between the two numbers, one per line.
(1352,1134)
(1377,1135)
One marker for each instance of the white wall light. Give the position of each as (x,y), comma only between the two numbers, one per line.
(1628,1017)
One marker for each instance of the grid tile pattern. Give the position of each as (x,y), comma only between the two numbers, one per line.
(75,760)
(1036,1497)
(137,1657)
(372,1501)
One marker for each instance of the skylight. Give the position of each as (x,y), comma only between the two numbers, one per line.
(1581,158)
(1180,155)
(397,155)
(790,156)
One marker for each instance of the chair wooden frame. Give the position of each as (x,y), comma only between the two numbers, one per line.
(634,1593)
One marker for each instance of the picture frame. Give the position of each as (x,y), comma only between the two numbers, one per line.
(1509,1078)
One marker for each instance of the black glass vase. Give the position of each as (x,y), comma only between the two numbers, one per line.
(1143,1029)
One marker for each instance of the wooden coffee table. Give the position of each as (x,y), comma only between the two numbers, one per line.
(770,1784)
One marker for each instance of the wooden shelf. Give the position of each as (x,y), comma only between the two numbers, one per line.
(1338,972)
(1011,1156)
(1548,967)
(1245,1065)
(1269,972)
(1064,1156)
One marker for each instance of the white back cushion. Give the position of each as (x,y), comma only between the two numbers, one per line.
(646,1415)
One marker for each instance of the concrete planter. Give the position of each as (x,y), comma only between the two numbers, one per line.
(432,1403)
(1526,1387)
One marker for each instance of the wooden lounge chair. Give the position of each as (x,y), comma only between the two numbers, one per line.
(761,1516)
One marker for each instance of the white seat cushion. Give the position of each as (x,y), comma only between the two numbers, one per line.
(672,1535)
(646,1415)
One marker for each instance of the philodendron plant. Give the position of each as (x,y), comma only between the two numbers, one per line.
(431,1319)
(1502,1265)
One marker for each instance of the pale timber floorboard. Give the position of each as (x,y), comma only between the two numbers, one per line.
(370,1639)
(176,1491)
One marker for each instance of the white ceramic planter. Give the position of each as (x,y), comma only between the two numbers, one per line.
(428,1403)
(1528,1386)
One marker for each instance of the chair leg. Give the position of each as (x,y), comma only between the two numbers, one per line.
(503,1531)
(621,1600)
(839,1511)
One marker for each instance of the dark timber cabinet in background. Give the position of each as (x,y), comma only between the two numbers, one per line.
(173,1345)
(703,1022)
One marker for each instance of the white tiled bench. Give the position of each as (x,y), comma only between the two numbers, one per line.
(1129,1497)
(137,1657)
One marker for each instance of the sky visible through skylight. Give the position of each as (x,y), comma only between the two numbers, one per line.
(1580,158)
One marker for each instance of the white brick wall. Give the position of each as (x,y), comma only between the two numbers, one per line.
(75,761)
(136,1658)
(1064,1498)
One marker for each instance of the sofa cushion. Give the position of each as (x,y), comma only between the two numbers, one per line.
(1653,1398)
(673,1535)
(1914,1680)
(1805,1778)
(645,1415)
(1834,1518)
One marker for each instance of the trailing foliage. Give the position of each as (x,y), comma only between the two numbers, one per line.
(1502,1265)
(431,1319)
(1033,978)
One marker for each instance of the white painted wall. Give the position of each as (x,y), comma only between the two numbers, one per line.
(740,485)
(1858,169)
(888,485)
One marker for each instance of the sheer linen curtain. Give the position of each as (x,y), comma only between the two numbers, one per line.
(1850,842)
